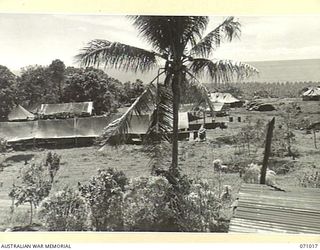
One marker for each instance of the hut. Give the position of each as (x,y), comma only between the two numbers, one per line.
(311,94)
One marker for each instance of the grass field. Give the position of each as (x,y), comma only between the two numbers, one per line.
(80,164)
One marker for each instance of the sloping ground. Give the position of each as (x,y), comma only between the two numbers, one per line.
(263,209)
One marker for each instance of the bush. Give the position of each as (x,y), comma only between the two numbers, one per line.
(3,145)
(310,180)
(53,164)
(64,210)
(34,187)
(147,205)
(104,194)
(200,209)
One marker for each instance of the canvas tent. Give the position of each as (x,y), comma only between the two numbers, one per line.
(311,94)
(63,110)
(225,98)
(18,113)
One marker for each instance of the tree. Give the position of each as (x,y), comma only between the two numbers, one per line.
(7,91)
(35,87)
(179,43)
(56,72)
(92,84)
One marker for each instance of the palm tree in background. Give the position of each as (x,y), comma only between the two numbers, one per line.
(181,45)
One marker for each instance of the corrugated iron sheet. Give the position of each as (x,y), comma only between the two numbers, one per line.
(261,208)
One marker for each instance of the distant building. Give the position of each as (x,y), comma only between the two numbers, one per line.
(19,113)
(65,110)
(311,94)
(225,98)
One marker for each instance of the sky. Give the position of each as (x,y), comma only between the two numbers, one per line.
(29,39)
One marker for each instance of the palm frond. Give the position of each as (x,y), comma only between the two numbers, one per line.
(117,131)
(228,30)
(162,116)
(201,93)
(170,33)
(222,71)
(116,55)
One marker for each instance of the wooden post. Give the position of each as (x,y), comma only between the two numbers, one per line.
(267,152)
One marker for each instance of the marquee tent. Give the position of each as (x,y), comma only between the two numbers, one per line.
(19,113)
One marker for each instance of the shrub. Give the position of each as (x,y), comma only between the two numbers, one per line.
(3,145)
(310,180)
(200,209)
(104,194)
(34,187)
(53,164)
(147,205)
(64,210)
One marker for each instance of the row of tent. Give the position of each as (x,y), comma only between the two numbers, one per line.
(82,127)
(57,110)
(81,109)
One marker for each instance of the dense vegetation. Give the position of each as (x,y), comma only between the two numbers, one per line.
(56,84)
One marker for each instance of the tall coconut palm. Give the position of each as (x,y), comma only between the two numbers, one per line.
(180,45)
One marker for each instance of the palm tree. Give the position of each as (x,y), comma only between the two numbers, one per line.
(180,45)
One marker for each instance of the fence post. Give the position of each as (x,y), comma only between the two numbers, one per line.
(267,151)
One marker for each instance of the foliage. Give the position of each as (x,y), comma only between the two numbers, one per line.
(310,179)
(147,205)
(104,194)
(250,137)
(200,209)
(56,71)
(65,210)
(7,91)
(35,87)
(92,85)
(35,186)
(3,145)
(284,137)
(53,164)
(130,91)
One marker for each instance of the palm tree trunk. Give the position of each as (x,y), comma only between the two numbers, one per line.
(175,106)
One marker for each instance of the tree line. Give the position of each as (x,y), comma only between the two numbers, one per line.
(57,83)
(250,90)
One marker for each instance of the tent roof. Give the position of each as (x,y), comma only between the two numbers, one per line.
(20,113)
(71,108)
(312,91)
(223,98)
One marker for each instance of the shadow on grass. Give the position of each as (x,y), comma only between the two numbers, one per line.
(19,158)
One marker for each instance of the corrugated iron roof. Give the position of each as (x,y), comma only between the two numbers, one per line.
(261,208)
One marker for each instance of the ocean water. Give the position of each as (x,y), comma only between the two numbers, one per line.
(288,70)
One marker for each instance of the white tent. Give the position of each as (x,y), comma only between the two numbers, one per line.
(19,113)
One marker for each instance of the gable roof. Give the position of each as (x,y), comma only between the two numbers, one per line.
(223,98)
(75,108)
(19,113)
